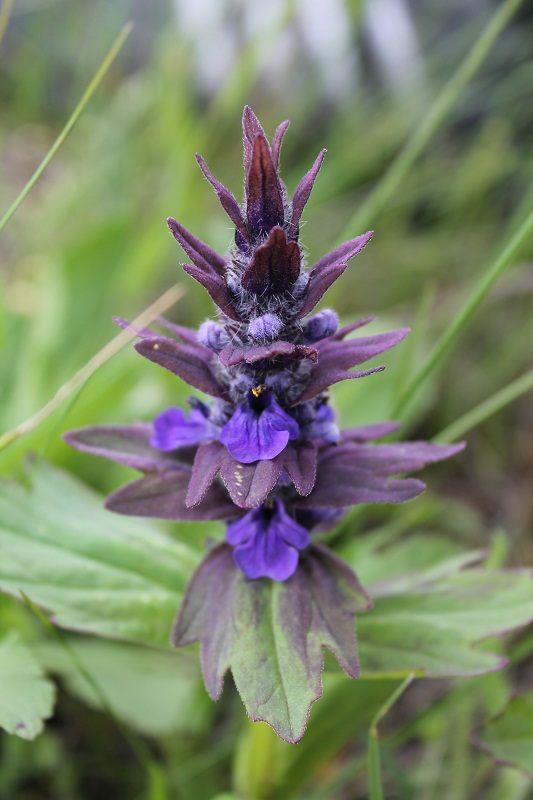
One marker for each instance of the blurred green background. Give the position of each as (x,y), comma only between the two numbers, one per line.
(91,241)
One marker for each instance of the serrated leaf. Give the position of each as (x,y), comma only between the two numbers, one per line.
(434,625)
(508,738)
(26,696)
(95,571)
(272,634)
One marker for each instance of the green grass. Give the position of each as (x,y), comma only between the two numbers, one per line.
(448,192)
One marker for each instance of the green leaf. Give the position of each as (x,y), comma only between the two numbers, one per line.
(155,692)
(508,738)
(95,571)
(434,623)
(272,634)
(26,696)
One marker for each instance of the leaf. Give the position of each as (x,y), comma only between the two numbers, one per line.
(508,738)
(95,571)
(156,692)
(26,696)
(434,624)
(272,634)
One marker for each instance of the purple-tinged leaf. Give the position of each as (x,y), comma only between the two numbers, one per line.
(321,382)
(392,459)
(200,253)
(274,267)
(227,201)
(342,333)
(326,271)
(187,335)
(126,444)
(249,484)
(343,253)
(318,286)
(216,288)
(368,433)
(277,139)
(231,356)
(336,358)
(301,195)
(300,462)
(208,461)
(183,361)
(272,635)
(339,485)
(264,202)
(142,333)
(162,496)
(251,128)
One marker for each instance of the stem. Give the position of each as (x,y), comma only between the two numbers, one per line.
(5,14)
(365,217)
(486,409)
(163,303)
(488,279)
(374,771)
(100,72)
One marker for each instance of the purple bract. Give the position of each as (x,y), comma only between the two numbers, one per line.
(266,453)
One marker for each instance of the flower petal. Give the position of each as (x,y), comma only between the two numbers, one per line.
(173,430)
(266,556)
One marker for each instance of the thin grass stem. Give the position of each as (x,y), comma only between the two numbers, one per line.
(76,114)
(504,259)
(374,763)
(366,215)
(5,14)
(162,304)
(487,408)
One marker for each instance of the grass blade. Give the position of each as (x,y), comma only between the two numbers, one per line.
(76,114)
(487,408)
(454,329)
(366,215)
(157,308)
(5,14)
(374,768)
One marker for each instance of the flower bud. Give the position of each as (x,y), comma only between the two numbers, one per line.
(321,325)
(266,327)
(213,335)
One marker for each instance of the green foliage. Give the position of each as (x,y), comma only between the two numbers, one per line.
(94,571)
(90,241)
(26,696)
(508,738)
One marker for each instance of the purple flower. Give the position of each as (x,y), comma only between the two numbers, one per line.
(268,441)
(267,542)
(322,425)
(259,429)
(173,430)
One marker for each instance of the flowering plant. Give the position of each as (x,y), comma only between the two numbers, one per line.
(265,454)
